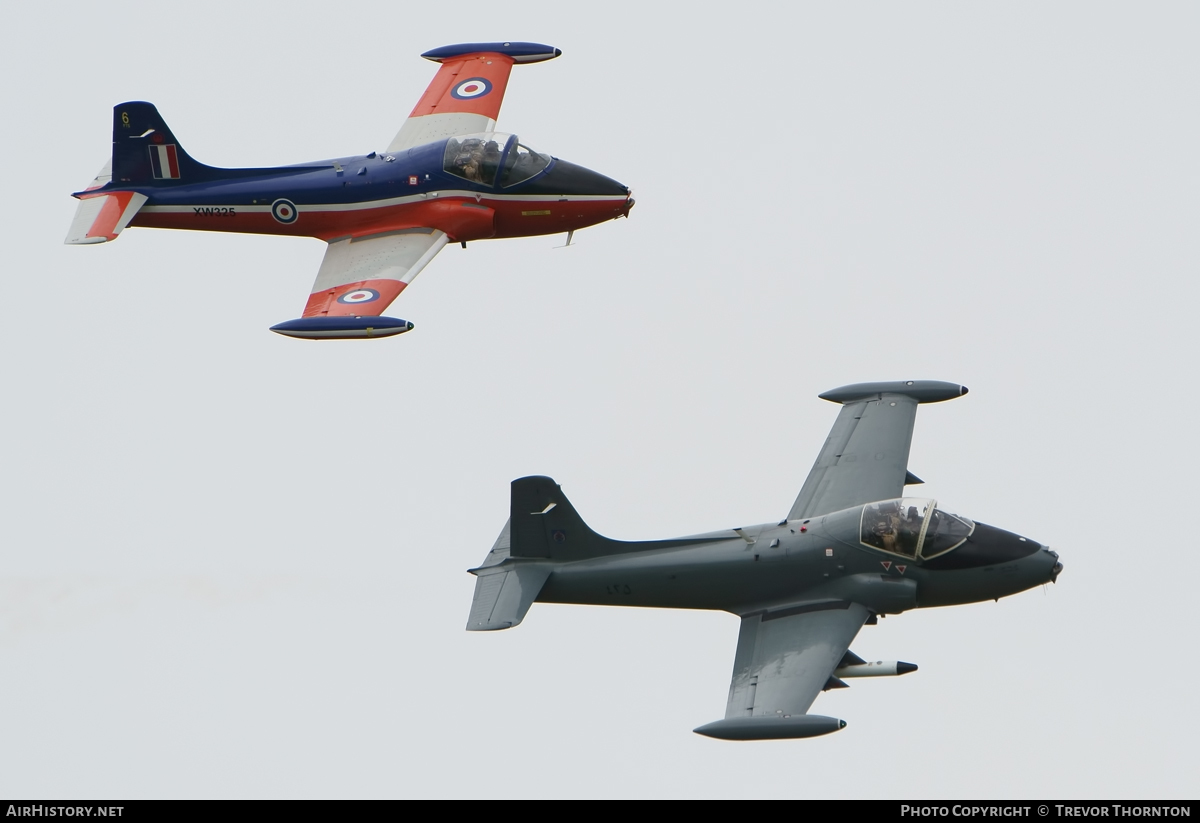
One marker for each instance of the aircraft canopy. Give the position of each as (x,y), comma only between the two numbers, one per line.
(482,157)
(913,527)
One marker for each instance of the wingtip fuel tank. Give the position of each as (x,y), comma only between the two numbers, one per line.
(771,728)
(923,391)
(342,328)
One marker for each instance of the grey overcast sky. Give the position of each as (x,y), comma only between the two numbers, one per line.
(233,564)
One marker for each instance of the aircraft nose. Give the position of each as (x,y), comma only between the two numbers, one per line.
(987,546)
(1057,568)
(568,178)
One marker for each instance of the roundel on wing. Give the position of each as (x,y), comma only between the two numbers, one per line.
(470,89)
(284,211)
(359,296)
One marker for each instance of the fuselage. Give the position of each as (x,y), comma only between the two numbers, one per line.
(818,559)
(369,194)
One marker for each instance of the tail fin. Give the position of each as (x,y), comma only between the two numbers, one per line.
(544,524)
(543,530)
(146,153)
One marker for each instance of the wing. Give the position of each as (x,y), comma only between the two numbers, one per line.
(865,457)
(467,91)
(784,658)
(363,275)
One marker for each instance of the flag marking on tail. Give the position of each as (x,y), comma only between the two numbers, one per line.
(164,160)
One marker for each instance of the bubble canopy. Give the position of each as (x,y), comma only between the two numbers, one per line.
(913,527)
(482,158)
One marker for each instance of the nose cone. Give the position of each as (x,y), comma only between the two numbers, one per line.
(569,179)
(1057,568)
(987,546)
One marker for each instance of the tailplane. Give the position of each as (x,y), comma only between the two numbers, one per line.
(101,215)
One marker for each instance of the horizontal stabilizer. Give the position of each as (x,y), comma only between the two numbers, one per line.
(503,595)
(101,217)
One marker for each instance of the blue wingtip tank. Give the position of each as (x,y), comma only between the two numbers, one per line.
(519,52)
(342,328)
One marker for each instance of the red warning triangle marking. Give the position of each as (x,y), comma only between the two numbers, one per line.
(887,564)
(901,569)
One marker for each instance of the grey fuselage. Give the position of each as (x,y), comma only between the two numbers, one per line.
(819,559)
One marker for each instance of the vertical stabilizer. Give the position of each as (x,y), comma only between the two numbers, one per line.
(146,153)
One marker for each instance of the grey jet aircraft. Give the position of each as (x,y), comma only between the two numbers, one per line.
(851,549)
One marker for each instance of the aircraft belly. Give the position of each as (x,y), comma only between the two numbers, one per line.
(462,215)
(529,218)
(460,218)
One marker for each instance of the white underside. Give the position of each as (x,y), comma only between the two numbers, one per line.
(393,256)
(428,128)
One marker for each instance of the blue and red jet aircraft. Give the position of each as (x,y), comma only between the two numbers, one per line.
(448,176)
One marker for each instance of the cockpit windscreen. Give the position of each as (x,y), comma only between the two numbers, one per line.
(944,532)
(522,163)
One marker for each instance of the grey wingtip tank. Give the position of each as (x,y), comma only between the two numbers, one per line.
(923,391)
(771,728)
(852,548)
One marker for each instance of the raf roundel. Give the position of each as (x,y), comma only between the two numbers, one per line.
(284,211)
(470,89)
(359,296)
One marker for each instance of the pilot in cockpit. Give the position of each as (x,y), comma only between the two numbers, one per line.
(885,533)
(468,160)
(490,162)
